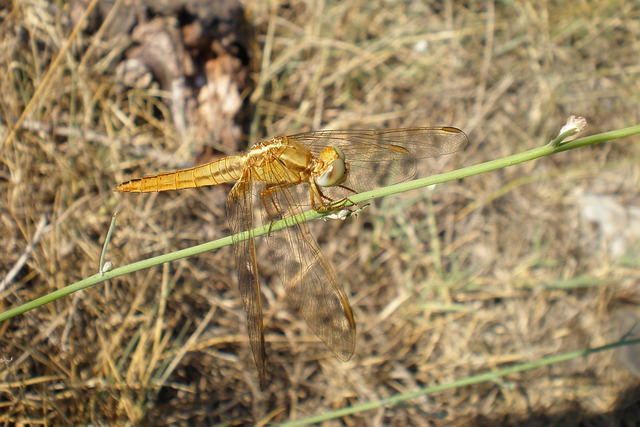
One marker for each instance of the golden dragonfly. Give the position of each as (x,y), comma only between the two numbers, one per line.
(287,174)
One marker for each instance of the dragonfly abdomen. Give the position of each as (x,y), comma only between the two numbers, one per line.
(227,169)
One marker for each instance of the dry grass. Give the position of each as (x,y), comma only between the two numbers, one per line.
(497,288)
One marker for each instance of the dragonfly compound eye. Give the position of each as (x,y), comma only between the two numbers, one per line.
(335,173)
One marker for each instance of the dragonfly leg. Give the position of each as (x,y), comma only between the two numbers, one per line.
(270,203)
(345,200)
(317,198)
(327,203)
(347,188)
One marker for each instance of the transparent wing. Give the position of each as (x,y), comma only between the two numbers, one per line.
(240,216)
(383,157)
(375,158)
(308,277)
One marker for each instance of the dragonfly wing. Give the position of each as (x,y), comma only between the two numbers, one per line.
(383,157)
(308,277)
(240,215)
(373,145)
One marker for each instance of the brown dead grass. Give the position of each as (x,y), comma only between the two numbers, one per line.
(495,290)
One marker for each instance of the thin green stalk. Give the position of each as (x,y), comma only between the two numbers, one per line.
(515,159)
(474,379)
(492,165)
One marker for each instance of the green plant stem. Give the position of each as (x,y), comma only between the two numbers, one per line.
(309,215)
(475,379)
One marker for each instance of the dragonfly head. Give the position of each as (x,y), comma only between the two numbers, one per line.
(334,170)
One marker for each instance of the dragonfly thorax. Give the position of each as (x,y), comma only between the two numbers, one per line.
(332,169)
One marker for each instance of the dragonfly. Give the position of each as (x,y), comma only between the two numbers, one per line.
(285,175)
